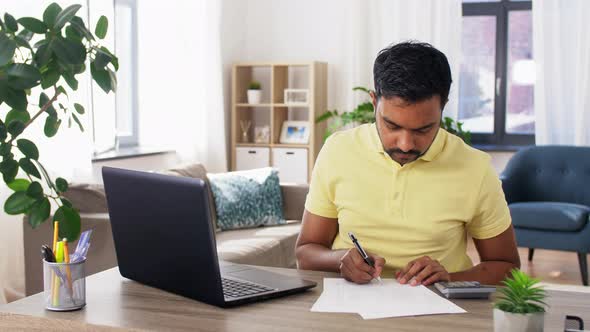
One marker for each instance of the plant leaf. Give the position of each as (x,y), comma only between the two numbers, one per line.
(32,24)
(101,60)
(79,108)
(7,48)
(101,77)
(50,14)
(35,190)
(11,24)
(25,34)
(66,16)
(61,184)
(101,27)
(15,128)
(73,34)
(79,25)
(50,77)
(69,223)
(43,54)
(68,51)
(3,132)
(29,168)
(9,169)
(15,98)
(21,42)
(18,203)
(28,148)
(43,100)
(40,211)
(78,122)
(19,184)
(51,126)
(16,115)
(23,76)
(71,80)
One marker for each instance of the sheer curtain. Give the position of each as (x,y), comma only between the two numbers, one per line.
(561,44)
(180,86)
(378,23)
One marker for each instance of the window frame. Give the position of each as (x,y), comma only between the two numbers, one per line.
(500,10)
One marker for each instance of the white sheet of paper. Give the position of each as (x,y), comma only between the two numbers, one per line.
(380,300)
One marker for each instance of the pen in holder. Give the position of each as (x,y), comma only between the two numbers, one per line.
(64,285)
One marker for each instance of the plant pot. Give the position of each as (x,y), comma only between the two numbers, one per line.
(254,96)
(510,322)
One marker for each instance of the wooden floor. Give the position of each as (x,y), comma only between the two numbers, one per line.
(558,267)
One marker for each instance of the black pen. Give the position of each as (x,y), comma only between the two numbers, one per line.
(362,251)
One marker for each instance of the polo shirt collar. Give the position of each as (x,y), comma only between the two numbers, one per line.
(435,148)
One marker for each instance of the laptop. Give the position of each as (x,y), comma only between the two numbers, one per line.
(164,238)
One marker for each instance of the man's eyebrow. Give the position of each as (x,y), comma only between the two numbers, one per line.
(396,125)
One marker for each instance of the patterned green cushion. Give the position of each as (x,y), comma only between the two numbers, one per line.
(247,199)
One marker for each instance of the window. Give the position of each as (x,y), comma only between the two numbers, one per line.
(115,116)
(497,72)
(126,50)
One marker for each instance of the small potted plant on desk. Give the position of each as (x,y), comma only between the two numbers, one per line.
(254,92)
(520,306)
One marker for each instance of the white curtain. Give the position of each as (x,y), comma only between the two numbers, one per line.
(180,84)
(561,47)
(377,24)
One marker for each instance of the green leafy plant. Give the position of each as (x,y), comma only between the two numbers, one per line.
(46,55)
(520,295)
(254,85)
(365,113)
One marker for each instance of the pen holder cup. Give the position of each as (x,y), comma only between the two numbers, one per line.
(64,285)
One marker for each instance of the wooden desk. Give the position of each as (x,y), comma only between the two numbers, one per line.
(118,302)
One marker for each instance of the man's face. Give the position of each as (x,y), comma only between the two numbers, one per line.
(407,130)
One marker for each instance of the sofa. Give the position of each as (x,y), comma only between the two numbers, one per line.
(265,246)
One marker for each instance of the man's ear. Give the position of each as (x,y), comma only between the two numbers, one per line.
(374,101)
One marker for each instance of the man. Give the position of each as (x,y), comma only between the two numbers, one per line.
(407,189)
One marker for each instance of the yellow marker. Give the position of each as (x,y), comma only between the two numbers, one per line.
(54,280)
(67,261)
(55,234)
(59,258)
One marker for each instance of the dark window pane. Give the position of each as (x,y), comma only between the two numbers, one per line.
(520,115)
(476,86)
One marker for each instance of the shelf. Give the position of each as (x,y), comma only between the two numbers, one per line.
(279,145)
(290,105)
(272,111)
(267,145)
(253,105)
(253,145)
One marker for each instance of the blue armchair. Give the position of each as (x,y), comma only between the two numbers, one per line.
(548,192)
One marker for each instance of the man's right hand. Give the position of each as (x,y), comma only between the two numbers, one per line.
(353,267)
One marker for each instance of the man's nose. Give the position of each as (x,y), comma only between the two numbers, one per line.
(406,141)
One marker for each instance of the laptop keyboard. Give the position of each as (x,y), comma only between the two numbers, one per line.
(235,288)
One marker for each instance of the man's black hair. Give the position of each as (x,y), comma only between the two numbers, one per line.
(412,71)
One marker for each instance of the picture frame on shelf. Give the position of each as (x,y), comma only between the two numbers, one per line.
(296,97)
(295,132)
(262,134)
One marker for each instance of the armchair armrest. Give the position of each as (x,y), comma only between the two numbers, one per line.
(294,200)
(510,187)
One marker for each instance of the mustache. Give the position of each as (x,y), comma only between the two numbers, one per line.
(392,151)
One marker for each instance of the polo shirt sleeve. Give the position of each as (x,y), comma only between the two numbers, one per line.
(320,199)
(492,216)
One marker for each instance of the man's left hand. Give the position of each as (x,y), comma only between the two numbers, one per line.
(424,271)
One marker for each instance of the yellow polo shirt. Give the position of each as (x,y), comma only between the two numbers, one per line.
(426,207)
